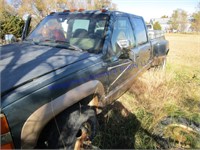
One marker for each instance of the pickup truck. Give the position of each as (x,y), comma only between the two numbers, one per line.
(73,64)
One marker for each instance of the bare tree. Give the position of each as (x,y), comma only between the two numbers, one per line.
(179,20)
(98,4)
(196,19)
(174,20)
(40,8)
(183,21)
(198,7)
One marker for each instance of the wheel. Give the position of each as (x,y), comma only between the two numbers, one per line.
(160,63)
(73,129)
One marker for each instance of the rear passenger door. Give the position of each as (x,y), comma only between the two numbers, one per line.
(142,43)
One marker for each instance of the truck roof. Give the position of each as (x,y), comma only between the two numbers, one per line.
(98,12)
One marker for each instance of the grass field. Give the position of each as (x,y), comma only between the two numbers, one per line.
(162,109)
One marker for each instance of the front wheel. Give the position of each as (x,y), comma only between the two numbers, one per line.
(73,129)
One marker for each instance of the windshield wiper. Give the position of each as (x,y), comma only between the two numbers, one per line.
(69,46)
(30,41)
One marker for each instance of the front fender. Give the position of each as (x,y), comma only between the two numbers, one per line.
(39,118)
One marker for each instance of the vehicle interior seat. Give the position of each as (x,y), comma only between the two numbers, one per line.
(99,33)
(80,33)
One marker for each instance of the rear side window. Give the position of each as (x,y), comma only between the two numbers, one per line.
(140,31)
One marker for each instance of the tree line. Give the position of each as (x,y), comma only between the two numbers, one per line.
(179,20)
(11,13)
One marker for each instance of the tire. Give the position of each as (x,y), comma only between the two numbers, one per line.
(65,129)
(159,63)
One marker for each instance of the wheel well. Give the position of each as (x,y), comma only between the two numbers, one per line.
(91,100)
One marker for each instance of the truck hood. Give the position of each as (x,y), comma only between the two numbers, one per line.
(23,62)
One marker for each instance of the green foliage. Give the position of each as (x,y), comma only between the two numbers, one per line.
(196,22)
(157,26)
(11,24)
(164,16)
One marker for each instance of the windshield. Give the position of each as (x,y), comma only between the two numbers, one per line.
(85,31)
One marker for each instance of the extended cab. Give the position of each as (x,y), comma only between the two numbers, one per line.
(66,70)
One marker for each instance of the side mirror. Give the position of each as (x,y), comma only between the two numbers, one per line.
(10,38)
(124,44)
(26,17)
(27,20)
(125,47)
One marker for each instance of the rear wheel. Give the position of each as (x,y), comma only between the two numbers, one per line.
(160,63)
(74,129)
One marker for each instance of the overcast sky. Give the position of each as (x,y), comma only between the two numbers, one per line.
(155,8)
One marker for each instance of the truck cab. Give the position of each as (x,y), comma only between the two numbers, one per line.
(70,67)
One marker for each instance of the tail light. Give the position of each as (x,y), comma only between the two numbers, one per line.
(6,139)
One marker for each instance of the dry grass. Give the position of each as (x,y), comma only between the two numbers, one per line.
(158,94)
(180,81)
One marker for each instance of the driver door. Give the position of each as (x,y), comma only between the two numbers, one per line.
(121,69)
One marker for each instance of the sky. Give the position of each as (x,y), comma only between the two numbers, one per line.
(155,8)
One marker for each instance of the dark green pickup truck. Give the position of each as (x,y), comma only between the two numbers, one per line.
(55,81)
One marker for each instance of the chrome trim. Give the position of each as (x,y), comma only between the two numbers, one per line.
(110,68)
(127,82)
(120,74)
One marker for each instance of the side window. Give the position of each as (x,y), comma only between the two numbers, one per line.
(140,31)
(122,30)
